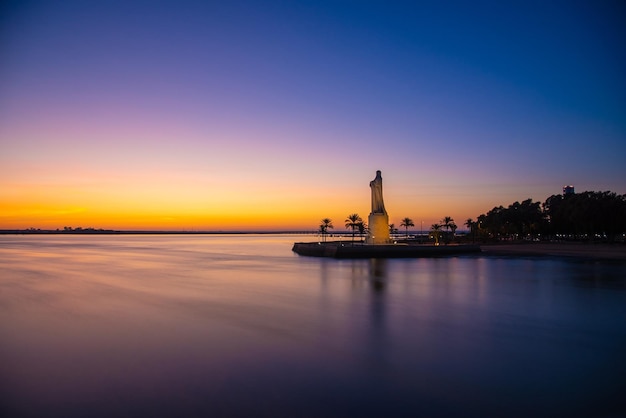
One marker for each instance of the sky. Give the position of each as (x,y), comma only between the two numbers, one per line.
(265,115)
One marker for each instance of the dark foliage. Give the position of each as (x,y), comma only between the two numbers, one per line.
(587,216)
(516,221)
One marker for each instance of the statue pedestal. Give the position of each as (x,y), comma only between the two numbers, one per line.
(378,229)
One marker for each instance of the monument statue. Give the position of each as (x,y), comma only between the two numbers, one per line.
(378,220)
(378,206)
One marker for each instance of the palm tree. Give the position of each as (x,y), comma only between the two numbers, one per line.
(393,229)
(447,223)
(352,222)
(471,225)
(435,232)
(326,224)
(362,227)
(406,223)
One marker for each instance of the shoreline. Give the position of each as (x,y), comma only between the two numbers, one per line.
(573,250)
(339,249)
(614,252)
(143,232)
(580,250)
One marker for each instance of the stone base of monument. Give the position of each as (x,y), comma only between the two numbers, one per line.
(359,250)
(378,229)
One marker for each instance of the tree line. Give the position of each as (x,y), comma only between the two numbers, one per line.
(353,221)
(598,216)
(356,223)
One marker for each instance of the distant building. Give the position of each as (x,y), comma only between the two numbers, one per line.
(568,190)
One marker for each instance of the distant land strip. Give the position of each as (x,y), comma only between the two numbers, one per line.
(90,231)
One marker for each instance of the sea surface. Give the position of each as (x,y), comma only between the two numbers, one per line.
(240,326)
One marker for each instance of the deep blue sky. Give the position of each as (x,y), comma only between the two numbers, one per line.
(462,105)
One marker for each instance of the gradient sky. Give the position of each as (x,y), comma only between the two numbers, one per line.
(228,115)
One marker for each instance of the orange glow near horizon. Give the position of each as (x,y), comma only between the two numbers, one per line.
(181,210)
(145,198)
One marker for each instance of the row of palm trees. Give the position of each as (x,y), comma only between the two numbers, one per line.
(355,222)
(436,231)
(406,223)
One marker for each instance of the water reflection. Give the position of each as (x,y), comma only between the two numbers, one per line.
(239,326)
(377,335)
(378,273)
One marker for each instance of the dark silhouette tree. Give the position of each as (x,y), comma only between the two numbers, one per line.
(352,222)
(448,223)
(362,227)
(325,225)
(406,223)
(435,232)
(518,220)
(471,226)
(586,216)
(579,216)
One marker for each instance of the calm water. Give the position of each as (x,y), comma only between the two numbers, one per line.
(121,326)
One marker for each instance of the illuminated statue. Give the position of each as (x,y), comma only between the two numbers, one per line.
(378,206)
(378,221)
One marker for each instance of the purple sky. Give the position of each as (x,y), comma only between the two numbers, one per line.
(201,112)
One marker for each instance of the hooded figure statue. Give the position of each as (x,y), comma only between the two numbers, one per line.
(378,206)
